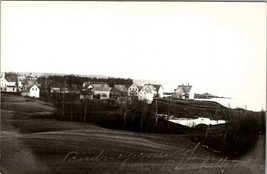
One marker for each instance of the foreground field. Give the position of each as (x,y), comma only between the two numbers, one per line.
(30,145)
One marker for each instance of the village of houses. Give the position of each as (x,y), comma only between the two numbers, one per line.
(26,85)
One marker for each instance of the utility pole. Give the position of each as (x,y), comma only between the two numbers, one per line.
(156,107)
(64,98)
(85,108)
(169,108)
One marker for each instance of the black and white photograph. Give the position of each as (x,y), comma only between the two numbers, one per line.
(133,87)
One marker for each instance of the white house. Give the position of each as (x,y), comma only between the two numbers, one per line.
(102,92)
(159,90)
(146,94)
(11,87)
(133,90)
(152,88)
(31,91)
(3,82)
(183,92)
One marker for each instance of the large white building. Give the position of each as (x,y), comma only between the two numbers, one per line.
(11,87)
(146,94)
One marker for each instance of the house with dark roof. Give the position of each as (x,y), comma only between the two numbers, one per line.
(31,91)
(183,92)
(118,91)
(101,92)
(92,90)
(11,83)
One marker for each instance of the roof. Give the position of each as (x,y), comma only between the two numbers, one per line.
(21,78)
(102,84)
(157,86)
(121,88)
(11,78)
(102,88)
(31,82)
(138,86)
(186,88)
(151,87)
(24,82)
(181,90)
(92,82)
(147,89)
(29,87)
(86,86)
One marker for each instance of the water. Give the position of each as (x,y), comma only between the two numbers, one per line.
(237,103)
(245,101)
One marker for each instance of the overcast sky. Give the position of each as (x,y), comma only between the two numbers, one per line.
(217,47)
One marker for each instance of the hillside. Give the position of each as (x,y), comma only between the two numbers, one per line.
(31,145)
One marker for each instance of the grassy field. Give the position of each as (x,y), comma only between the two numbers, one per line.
(31,145)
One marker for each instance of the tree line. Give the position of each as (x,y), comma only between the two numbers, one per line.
(72,80)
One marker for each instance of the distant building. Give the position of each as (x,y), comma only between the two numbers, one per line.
(54,90)
(3,82)
(118,90)
(11,87)
(159,90)
(31,91)
(86,94)
(65,90)
(11,83)
(92,90)
(146,93)
(152,88)
(90,84)
(183,92)
(101,92)
(31,77)
(133,90)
